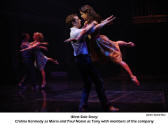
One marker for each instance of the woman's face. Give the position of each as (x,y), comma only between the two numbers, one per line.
(83,15)
(35,37)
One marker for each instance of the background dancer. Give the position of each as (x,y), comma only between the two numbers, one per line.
(41,59)
(29,72)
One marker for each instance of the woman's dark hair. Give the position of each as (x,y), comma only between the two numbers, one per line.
(91,13)
(24,36)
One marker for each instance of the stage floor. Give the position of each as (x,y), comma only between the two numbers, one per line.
(64,96)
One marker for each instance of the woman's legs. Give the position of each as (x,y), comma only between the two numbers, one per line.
(52,60)
(123,43)
(43,71)
(22,80)
(126,67)
(43,78)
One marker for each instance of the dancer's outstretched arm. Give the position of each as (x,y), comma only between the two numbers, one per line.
(43,47)
(40,43)
(33,45)
(82,33)
(104,23)
(44,43)
(92,28)
(70,40)
(86,30)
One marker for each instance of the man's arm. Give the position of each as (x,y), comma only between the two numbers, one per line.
(44,43)
(86,30)
(43,47)
(94,26)
(82,33)
(31,46)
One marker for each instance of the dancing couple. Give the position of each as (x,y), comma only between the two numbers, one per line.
(32,56)
(89,45)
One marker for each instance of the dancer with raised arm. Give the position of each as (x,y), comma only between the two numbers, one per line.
(84,63)
(41,59)
(101,46)
(29,73)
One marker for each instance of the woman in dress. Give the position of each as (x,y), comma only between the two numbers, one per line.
(40,58)
(101,47)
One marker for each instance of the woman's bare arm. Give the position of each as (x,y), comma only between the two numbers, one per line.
(31,46)
(104,23)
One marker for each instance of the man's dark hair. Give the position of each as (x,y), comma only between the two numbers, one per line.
(24,35)
(70,19)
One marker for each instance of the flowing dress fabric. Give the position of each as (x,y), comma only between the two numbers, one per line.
(41,59)
(109,48)
(101,48)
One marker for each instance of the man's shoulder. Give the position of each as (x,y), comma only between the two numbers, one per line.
(75,32)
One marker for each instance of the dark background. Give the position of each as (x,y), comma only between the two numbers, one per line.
(148,58)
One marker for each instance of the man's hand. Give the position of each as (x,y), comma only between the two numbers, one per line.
(70,40)
(43,47)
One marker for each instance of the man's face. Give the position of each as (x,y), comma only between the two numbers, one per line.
(77,21)
(27,37)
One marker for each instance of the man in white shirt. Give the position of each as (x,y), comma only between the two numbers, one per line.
(83,60)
